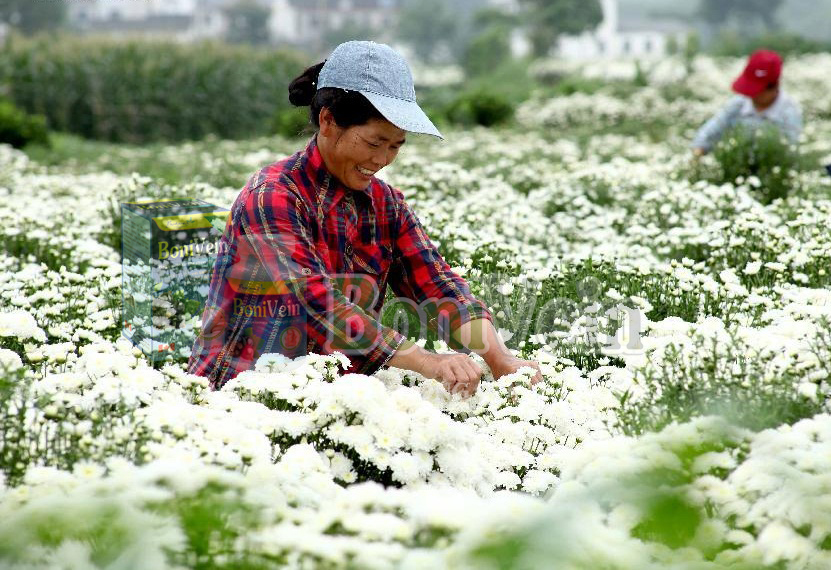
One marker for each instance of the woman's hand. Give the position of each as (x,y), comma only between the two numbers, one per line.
(508,364)
(481,336)
(457,372)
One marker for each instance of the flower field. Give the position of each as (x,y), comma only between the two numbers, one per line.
(682,324)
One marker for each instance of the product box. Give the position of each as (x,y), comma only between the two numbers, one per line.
(169,248)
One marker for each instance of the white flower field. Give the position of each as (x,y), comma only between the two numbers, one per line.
(682,325)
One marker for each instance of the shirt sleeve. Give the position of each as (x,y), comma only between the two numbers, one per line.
(275,225)
(711,131)
(420,273)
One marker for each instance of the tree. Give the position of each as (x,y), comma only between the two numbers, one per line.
(490,47)
(486,51)
(547,20)
(247,23)
(744,12)
(428,26)
(350,30)
(31,16)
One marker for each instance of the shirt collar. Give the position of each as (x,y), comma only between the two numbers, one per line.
(318,172)
(749,109)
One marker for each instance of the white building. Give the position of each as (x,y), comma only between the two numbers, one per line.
(183,20)
(617,38)
(302,23)
(307,22)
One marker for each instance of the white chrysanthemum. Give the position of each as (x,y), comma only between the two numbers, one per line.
(21,325)
(9,360)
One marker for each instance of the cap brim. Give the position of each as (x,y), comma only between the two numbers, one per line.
(406,115)
(747,86)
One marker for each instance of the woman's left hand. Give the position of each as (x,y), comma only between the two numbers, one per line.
(509,364)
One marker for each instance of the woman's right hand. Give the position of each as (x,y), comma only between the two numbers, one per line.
(458,373)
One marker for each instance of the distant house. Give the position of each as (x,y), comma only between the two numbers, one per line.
(302,23)
(621,38)
(183,20)
(306,23)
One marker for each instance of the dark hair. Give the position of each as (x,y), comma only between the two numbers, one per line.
(348,107)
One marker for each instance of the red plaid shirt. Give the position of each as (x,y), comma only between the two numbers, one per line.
(303,267)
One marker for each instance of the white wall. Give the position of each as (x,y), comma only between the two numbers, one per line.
(608,42)
(284,22)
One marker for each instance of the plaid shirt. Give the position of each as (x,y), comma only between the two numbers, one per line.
(303,267)
(784,113)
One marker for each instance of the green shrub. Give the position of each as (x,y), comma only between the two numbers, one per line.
(487,51)
(762,153)
(571,84)
(291,122)
(480,108)
(641,78)
(141,91)
(19,129)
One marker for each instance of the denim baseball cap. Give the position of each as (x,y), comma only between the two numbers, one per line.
(380,74)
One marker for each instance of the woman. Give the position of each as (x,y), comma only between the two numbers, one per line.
(760,102)
(313,240)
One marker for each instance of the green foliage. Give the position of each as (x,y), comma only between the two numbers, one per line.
(486,51)
(679,91)
(19,129)
(24,245)
(477,104)
(576,83)
(247,22)
(668,519)
(291,123)
(510,80)
(428,26)
(35,430)
(745,13)
(139,92)
(548,19)
(641,79)
(572,307)
(348,31)
(692,46)
(717,377)
(213,519)
(763,153)
(480,107)
(488,99)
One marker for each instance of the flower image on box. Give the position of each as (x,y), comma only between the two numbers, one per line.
(168,251)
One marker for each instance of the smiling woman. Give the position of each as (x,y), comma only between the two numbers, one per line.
(320,231)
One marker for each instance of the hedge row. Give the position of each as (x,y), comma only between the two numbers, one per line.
(139,92)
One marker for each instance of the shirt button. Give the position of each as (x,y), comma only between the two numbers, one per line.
(348,249)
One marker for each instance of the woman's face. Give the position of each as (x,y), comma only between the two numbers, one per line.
(353,155)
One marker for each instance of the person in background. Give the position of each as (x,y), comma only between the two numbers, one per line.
(760,102)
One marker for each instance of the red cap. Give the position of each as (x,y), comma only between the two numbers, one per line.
(762,69)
